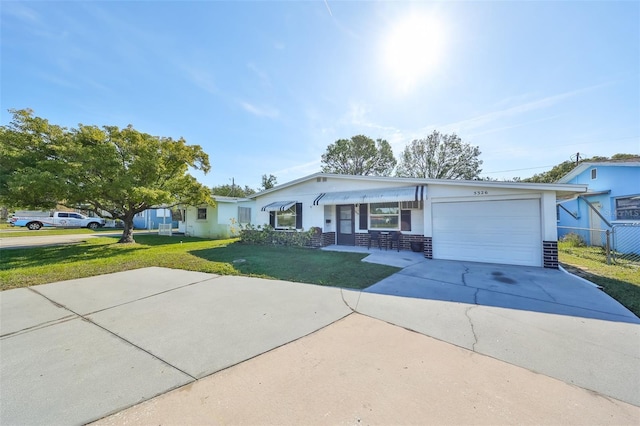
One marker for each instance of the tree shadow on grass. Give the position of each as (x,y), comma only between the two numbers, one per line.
(160,240)
(299,264)
(68,253)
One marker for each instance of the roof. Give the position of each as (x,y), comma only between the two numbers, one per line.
(223,199)
(560,188)
(580,168)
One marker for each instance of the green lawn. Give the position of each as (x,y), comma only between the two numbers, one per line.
(26,267)
(12,232)
(620,281)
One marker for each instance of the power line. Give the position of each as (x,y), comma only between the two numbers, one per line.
(517,170)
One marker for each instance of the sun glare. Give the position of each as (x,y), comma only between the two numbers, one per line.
(412,49)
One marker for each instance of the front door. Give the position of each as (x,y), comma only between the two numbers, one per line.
(346,236)
(595,224)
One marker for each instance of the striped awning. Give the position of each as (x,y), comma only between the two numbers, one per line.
(278,206)
(364,196)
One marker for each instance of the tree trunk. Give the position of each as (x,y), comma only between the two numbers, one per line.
(127,233)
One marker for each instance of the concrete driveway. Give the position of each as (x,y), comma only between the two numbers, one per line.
(246,350)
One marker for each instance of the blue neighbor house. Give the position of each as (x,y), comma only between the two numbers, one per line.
(612,203)
(151,218)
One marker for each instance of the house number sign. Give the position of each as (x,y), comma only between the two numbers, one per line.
(480,192)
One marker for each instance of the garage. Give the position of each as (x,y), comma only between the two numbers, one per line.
(503,231)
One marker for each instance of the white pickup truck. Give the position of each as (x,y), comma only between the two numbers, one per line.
(57,219)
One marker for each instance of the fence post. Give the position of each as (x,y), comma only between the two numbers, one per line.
(608,247)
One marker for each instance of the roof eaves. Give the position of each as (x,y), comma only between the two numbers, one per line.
(584,166)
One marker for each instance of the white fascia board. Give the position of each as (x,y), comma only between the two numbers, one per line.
(561,188)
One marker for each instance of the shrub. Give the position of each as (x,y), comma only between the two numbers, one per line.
(268,235)
(574,240)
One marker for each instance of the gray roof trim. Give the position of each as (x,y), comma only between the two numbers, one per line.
(558,187)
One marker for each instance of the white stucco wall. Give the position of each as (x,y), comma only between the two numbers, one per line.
(218,223)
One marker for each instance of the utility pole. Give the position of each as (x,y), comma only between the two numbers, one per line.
(577,159)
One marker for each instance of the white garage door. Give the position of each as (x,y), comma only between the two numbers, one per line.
(488,231)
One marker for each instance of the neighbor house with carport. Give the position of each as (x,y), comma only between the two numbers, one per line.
(480,221)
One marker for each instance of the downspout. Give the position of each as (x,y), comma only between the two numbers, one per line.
(591,206)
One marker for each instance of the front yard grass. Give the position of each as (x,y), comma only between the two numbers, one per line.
(27,267)
(620,281)
(13,232)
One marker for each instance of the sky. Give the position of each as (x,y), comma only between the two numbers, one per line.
(265,86)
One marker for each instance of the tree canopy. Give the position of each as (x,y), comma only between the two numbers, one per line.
(359,155)
(268,182)
(440,156)
(232,190)
(115,173)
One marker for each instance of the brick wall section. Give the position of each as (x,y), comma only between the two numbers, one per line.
(428,247)
(362,240)
(328,239)
(550,254)
(317,240)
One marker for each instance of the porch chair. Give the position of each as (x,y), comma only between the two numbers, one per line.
(374,236)
(395,237)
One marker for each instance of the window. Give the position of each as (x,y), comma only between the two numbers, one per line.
(75,215)
(384,216)
(202,213)
(286,219)
(594,173)
(244,214)
(63,214)
(628,208)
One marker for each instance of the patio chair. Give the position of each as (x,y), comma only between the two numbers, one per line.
(395,238)
(374,236)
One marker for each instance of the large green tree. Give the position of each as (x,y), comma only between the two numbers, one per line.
(440,156)
(359,155)
(113,172)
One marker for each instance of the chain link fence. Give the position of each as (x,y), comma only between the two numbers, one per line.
(625,242)
(619,244)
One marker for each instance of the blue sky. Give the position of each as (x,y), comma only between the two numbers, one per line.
(264,87)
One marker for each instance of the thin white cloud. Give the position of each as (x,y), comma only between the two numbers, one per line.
(501,128)
(305,169)
(20,11)
(57,80)
(484,119)
(260,111)
(326,3)
(357,114)
(262,75)
(201,78)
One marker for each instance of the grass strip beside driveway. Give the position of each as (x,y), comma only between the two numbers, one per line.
(620,281)
(26,267)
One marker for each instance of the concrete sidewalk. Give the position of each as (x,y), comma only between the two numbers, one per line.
(361,370)
(76,351)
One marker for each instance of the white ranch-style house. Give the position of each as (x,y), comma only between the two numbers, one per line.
(480,221)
